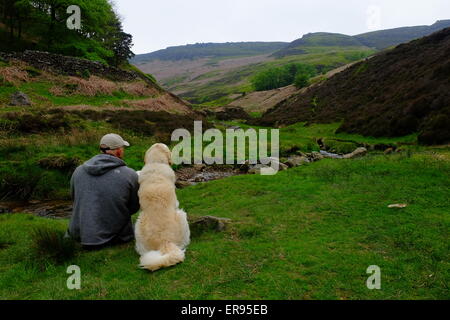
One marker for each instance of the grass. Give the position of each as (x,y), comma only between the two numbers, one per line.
(24,175)
(306,233)
(39,93)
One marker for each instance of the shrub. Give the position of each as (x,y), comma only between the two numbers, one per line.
(33,71)
(19,183)
(35,123)
(50,245)
(301,81)
(86,74)
(60,162)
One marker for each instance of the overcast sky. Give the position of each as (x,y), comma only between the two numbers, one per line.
(158,24)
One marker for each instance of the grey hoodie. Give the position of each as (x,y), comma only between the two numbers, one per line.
(104,191)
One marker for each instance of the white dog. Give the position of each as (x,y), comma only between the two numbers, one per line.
(161,231)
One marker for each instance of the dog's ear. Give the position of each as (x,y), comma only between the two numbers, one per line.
(147,157)
(169,157)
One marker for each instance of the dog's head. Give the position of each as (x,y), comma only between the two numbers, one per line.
(158,153)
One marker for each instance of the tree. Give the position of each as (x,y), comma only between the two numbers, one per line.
(100,38)
(273,78)
(301,80)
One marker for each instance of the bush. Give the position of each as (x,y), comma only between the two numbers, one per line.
(50,245)
(301,81)
(86,74)
(19,183)
(35,123)
(60,162)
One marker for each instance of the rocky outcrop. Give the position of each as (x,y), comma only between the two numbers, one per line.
(19,99)
(355,154)
(70,65)
(296,161)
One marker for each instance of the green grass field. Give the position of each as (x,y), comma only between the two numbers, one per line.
(306,233)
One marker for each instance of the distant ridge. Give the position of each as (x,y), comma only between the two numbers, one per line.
(204,50)
(387,38)
(379,40)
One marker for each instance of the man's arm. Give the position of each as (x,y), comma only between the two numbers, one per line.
(133,203)
(72,188)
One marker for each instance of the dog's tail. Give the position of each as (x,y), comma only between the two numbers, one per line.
(168,255)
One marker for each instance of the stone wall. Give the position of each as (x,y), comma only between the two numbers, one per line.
(70,65)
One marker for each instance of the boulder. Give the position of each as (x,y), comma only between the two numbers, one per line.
(208,223)
(359,152)
(296,161)
(256,168)
(315,156)
(388,151)
(199,167)
(19,99)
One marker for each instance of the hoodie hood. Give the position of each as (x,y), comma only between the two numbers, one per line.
(101,164)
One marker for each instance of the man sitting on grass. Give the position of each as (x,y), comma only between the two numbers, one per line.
(105,196)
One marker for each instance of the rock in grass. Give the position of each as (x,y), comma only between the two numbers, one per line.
(315,156)
(296,161)
(359,152)
(398,205)
(256,169)
(208,223)
(19,99)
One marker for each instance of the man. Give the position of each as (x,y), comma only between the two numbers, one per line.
(105,196)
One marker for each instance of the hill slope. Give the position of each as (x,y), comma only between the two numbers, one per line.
(216,74)
(52,80)
(395,93)
(391,37)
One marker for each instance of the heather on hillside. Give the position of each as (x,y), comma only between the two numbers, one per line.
(395,93)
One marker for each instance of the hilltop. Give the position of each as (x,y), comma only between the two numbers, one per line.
(319,39)
(395,93)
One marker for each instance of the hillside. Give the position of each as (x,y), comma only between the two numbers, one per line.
(217,74)
(261,101)
(52,80)
(395,93)
(391,37)
(219,80)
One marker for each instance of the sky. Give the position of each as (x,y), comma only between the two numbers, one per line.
(158,24)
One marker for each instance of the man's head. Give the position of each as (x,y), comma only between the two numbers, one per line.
(114,145)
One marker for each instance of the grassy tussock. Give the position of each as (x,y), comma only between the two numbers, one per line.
(49,245)
(14,75)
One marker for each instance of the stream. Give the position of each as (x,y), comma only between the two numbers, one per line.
(186,176)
